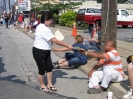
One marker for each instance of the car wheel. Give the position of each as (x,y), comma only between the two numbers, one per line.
(124,26)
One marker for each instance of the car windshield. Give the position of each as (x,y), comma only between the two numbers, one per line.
(81,11)
(93,10)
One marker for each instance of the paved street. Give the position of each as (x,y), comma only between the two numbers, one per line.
(18,72)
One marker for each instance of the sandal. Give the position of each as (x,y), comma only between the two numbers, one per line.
(52,88)
(45,89)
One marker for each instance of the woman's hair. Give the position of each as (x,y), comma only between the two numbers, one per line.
(129,59)
(79,38)
(46,15)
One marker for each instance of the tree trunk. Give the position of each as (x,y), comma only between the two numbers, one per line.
(109,21)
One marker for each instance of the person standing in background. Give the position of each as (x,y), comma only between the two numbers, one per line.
(11,19)
(6,20)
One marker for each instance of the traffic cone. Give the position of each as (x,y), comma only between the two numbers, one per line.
(74,31)
(93,31)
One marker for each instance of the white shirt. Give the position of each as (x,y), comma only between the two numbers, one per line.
(43,35)
(35,23)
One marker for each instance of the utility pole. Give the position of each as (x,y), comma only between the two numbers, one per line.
(5,4)
(9,5)
(109,21)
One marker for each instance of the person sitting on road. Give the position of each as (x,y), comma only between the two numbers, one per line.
(129,95)
(94,43)
(72,59)
(111,67)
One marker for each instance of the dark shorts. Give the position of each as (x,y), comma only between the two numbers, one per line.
(1,22)
(72,60)
(34,26)
(43,60)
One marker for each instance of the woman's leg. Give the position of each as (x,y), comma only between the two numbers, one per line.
(49,79)
(62,60)
(63,64)
(130,75)
(41,81)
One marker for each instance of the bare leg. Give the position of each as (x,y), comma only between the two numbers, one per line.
(49,78)
(41,80)
(130,75)
(64,64)
(61,61)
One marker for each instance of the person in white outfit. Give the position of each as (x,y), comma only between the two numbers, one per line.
(129,95)
(109,68)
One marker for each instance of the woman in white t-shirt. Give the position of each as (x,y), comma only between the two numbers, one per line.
(42,50)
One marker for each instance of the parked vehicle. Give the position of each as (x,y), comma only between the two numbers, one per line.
(91,15)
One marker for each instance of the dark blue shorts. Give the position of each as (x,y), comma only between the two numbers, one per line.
(72,60)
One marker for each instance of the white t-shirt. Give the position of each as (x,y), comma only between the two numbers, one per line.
(42,37)
(35,23)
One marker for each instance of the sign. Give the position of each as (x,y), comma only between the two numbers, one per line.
(20,1)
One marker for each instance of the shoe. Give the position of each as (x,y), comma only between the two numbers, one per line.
(30,31)
(127,96)
(52,88)
(45,90)
(56,65)
(94,91)
(131,97)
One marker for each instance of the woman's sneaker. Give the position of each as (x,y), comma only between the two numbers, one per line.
(56,65)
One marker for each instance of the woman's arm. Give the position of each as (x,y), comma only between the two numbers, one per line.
(61,43)
(61,49)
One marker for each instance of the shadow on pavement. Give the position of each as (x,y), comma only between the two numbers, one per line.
(10,77)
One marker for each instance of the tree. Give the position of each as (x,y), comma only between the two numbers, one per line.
(109,21)
(119,1)
(54,7)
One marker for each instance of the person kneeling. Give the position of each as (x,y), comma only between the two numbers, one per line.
(70,59)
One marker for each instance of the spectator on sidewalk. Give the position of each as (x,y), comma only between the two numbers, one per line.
(6,17)
(94,43)
(11,19)
(34,25)
(109,68)
(2,21)
(129,95)
(42,51)
(20,19)
(72,59)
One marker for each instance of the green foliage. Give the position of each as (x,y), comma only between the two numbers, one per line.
(56,18)
(82,26)
(67,17)
(69,23)
(39,16)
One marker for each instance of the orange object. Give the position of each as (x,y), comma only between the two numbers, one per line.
(74,31)
(93,31)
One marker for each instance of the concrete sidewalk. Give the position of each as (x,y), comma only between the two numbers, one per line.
(124,49)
